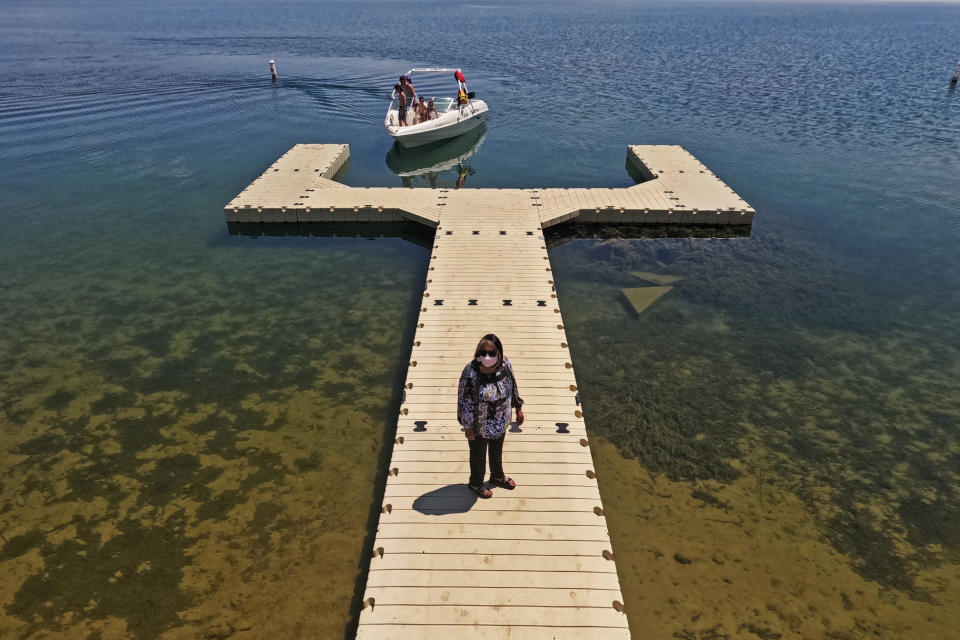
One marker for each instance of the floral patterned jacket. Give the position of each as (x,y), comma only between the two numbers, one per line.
(486,401)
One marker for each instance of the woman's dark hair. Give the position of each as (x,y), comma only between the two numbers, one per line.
(496,342)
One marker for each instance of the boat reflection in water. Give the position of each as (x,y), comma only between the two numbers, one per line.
(442,164)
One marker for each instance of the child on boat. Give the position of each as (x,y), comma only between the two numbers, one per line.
(401,104)
(422,114)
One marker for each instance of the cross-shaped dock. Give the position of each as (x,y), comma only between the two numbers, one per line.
(531,563)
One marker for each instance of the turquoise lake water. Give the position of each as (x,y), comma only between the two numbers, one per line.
(192,424)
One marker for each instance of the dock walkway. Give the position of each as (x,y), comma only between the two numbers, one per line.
(531,563)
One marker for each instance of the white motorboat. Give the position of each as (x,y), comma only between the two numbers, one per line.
(454,115)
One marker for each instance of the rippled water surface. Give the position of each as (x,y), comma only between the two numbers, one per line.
(193,424)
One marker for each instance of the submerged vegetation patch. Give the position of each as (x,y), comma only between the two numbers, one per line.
(187,458)
(753,366)
(133,575)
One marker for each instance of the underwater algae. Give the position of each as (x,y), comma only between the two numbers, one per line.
(748,562)
(194,454)
(809,432)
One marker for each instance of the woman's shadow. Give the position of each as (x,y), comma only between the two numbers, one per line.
(453,498)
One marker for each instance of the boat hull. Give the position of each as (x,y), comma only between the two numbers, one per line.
(449,125)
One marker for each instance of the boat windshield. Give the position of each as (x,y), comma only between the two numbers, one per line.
(442,105)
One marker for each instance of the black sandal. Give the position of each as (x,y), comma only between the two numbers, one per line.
(480,491)
(504,483)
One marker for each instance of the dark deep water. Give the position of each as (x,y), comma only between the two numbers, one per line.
(191,423)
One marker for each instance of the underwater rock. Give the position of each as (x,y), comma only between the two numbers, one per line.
(682,558)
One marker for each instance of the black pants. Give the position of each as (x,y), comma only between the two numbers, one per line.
(478,454)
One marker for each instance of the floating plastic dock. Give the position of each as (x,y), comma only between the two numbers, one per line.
(531,563)
(679,190)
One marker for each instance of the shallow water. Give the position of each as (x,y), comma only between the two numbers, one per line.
(187,439)
(192,423)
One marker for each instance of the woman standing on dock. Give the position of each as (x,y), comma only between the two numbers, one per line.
(486,397)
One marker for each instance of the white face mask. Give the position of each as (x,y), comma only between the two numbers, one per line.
(487,361)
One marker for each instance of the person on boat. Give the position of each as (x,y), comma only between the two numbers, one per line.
(401,104)
(486,397)
(432,110)
(422,115)
(407,84)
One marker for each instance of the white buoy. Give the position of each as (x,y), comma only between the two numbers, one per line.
(273,70)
